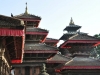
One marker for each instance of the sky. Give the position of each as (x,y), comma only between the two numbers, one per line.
(56,14)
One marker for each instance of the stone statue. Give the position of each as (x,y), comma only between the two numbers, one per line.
(43,70)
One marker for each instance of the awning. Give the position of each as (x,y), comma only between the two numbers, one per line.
(16,61)
(11,32)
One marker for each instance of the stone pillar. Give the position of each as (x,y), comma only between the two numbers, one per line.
(23,70)
(5,69)
(20,71)
(0,66)
(32,70)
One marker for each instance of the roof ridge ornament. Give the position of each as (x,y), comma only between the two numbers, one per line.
(26,12)
(71,22)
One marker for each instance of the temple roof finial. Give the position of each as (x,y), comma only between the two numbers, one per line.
(26,12)
(71,22)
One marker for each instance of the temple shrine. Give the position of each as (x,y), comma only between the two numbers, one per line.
(78,46)
(26,49)
(37,49)
(12,35)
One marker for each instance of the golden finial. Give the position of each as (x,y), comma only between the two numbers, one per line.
(26,12)
(71,22)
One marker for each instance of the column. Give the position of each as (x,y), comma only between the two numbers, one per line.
(5,69)
(0,66)
(32,70)
(21,71)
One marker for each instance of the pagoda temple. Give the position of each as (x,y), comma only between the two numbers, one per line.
(78,46)
(37,49)
(11,43)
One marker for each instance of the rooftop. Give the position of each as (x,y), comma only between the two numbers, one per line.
(39,46)
(6,21)
(58,58)
(27,15)
(34,29)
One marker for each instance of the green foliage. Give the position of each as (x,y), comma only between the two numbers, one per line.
(97,35)
(96,51)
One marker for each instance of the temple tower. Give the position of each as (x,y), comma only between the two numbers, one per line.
(36,51)
(79,45)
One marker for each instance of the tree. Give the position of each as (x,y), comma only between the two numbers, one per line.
(97,35)
(96,50)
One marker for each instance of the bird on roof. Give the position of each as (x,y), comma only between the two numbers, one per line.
(11,15)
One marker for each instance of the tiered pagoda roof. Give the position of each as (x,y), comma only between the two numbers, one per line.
(9,22)
(29,19)
(66,36)
(12,33)
(35,29)
(71,30)
(58,58)
(81,63)
(51,41)
(81,38)
(38,47)
(79,45)
(37,33)
(27,15)
(72,26)
(39,51)
(36,50)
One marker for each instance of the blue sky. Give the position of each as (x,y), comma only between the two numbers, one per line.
(56,14)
